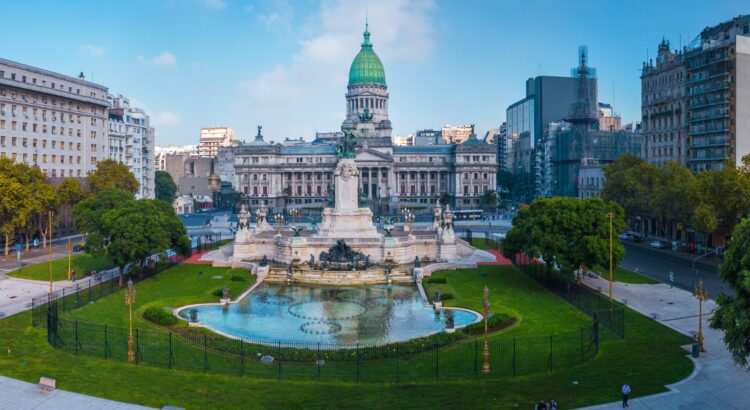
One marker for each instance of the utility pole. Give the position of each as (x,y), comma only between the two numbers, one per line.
(610,215)
(49,214)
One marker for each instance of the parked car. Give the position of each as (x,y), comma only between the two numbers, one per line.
(624,236)
(658,245)
(635,238)
(78,248)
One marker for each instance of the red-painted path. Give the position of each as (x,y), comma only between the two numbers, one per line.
(195,258)
(499,259)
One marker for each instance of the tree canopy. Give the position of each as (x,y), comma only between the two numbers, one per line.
(566,232)
(127,230)
(733,312)
(110,174)
(164,186)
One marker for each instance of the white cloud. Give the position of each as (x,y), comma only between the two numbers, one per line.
(214,4)
(278,16)
(163,60)
(160,119)
(166,119)
(401,31)
(91,50)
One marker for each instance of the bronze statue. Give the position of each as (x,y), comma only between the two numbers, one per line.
(347,147)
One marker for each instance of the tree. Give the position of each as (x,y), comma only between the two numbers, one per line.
(733,312)
(630,182)
(39,198)
(674,195)
(111,174)
(566,232)
(127,230)
(70,191)
(14,200)
(723,196)
(165,187)
(446,198)
(490,198)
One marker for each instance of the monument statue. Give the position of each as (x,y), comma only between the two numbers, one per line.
(346,149)
(194,315)
(366,116)
(417,262)
(264,261)
(330,195)
(362,198)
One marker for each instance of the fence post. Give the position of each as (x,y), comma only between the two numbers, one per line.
(89,290)
(397,363)
(476,374)
(205,353)
(514,357)
(622,320)
(106,342)
(137,347)
(279,355)
(242,358)
(170,350)
(76,337)
(63,299)
(549,359)
(437,361)
(317,362)
(78,299)
(581,345)
(358,353)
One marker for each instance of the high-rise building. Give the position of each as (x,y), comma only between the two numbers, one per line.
(664,107)
(213,138)
(578,147)
(131,142)
(456,134)
(717,67)
(428,137)
(608,120)
(53,121)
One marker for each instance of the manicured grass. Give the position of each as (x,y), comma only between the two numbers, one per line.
(82,264)
(648,358)
(182,285)
(481,243)
(620,274)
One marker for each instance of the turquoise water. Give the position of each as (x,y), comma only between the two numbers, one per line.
(341,315)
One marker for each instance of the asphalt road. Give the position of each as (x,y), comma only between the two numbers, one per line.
(656,264)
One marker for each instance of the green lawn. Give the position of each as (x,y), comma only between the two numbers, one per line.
(620,274)
(82,264)
(481,243)
(648,358)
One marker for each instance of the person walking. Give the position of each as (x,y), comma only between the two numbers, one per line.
(625,394)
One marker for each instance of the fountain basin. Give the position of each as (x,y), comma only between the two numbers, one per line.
(339,315)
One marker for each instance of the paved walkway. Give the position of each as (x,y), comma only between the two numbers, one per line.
(716,382)
(19,395)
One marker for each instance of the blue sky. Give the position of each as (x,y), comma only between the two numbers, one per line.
(284,64)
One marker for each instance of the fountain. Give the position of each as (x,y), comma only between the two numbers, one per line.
(349,248)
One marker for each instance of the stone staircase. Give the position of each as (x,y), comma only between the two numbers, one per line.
(341,278)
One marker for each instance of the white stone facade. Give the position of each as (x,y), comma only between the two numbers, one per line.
(213,138)
(131,142)
(54,121)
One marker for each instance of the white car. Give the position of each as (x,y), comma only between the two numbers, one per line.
(658,245)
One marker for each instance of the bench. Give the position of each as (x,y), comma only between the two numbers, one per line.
(47,384)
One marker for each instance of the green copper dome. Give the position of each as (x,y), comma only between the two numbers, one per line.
(366,67)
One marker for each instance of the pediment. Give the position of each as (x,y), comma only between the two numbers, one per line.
(364,155)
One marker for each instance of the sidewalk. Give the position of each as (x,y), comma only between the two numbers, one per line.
(19,395)
(716,382)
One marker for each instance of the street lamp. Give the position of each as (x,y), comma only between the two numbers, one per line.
(700,294)
(129,300)
(279,219)
(70,248)
(486,352)
(49,248)
(695,272)
(610,215)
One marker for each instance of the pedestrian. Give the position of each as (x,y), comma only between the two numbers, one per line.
(625,394)
(671,279)
(541,406)
(552,405)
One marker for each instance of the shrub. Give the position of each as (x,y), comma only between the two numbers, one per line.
(237,278)
(446,296)
(430,279)
(493,321)
(159,316)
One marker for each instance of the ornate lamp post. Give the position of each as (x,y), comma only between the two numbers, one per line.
(610,215)
(279,219)
(486,353)
(295,212)
(70,248)
(701,295)
(49,248)
(129,300)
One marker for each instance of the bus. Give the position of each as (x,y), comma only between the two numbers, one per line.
(469,215)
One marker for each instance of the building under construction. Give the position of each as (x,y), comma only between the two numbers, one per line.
(579,139)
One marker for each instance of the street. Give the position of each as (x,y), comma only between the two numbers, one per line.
(656,264)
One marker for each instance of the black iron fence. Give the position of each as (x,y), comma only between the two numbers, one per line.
(394,363)
(590,302)
(95,287)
